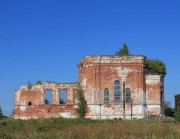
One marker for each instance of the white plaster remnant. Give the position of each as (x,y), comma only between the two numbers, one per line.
(123,72)
(23,87)
(23,108)
(153,79)
(83,82)
(137,109)
(138,95)
(37,87)
(17,97)
(65,114)
(114,59)
(154,109)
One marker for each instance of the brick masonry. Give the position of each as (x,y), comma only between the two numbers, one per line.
(177,103)
(97,73)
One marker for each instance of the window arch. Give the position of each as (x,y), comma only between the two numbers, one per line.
(128,95)
(106,96)
(117,92)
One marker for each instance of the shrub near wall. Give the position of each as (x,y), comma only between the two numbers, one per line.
(82,105)
(177,117)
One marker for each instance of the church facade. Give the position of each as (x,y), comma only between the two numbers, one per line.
(115,87)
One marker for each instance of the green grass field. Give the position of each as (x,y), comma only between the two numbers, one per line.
(59,128)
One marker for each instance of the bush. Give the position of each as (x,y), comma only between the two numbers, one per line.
(177,116)
(38,82)
(155,66)
(1,113)
(123,51)
(29,85)
(82,106)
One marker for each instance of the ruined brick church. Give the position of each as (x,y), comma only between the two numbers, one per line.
(115,87)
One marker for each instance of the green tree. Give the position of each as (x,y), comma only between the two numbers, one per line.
(155,67)
(177,116)
(38,82)
(168,109)
(82,105)
(29,85)
(1,113)
(123,51)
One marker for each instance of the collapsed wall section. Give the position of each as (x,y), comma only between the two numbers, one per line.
(31,103)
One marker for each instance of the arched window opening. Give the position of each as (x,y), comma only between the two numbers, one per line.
(128,95)
(117,92)
(106,96)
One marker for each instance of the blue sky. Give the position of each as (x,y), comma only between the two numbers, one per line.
(44,40)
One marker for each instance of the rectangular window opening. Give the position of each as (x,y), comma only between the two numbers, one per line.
(62,98)
(29,103)
(48,97)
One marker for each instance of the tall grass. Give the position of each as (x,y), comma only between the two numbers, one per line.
(59,128)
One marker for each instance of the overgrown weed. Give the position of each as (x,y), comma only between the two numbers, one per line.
(86,128)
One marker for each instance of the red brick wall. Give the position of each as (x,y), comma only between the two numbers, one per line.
(95,74)
(30,103)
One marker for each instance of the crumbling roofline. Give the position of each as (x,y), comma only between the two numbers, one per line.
(100,58)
